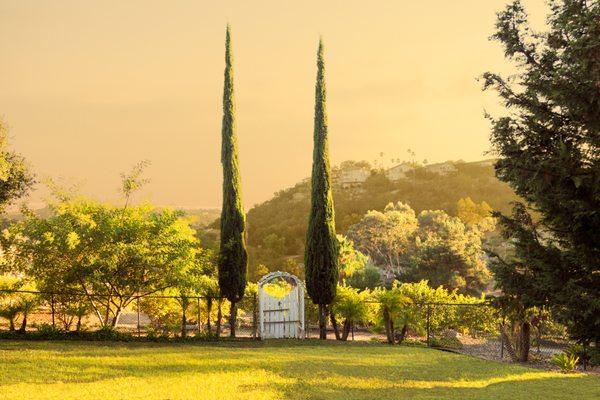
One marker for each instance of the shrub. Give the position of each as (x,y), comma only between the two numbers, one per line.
(48,332)
(566,362)
(446,343)
(349,307)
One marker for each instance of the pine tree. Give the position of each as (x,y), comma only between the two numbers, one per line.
(548,145)
(322,247)
(233,258)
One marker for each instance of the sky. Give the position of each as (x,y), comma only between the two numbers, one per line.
(90,88)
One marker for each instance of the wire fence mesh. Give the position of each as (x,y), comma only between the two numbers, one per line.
(475,329)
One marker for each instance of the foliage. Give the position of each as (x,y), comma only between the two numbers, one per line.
(233,257)
(14,304)
(566,362)
(111,254)
(474,214)
(351,261)
(448,253)
(368,277)
(321,256)
(548,149)
(404,307)
(433,246)
(386,236)
(15,176)
(284,215)
(446,343)
(350,307)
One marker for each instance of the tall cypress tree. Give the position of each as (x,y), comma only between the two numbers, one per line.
(233,258)
(322,247)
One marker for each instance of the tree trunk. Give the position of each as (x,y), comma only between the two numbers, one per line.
(232,319)
(219,316)
(78,327)
(23,324)
(11,324)
(115,320)
(402,335)
(524,339)
(346,330)
(183,323)
(334,323)
(389,326)
(322,321)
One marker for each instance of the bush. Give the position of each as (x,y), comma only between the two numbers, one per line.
(48,332)
(566,362)
(446,343)
(109,333)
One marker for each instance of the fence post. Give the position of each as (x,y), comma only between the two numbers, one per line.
(137,304)
(428,324)
(198,316)
(52,308)
(501,344)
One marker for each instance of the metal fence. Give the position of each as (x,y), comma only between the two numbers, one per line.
(475,329)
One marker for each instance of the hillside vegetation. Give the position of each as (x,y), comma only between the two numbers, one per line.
(279,225)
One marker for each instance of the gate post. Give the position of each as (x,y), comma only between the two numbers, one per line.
(254,317)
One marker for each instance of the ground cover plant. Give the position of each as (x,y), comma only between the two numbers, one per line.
(269,370)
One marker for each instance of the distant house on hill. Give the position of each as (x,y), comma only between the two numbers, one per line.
(398,172)
(445,168)
(354,176)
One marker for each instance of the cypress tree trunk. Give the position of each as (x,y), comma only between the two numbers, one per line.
(233,257)
(232,319)
(322,321)
(334,324)
(219,318)
(322,247)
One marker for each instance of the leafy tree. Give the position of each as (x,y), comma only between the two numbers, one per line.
(448,253)
(394,308)
(15,177)
(112,254)
(548,148)
(475,215)
(285,213)
(233,257)
(15,304)
(322,248)
(386,236)
(368,277)
(350,307)
(351,260)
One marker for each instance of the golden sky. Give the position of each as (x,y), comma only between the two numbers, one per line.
(89,88)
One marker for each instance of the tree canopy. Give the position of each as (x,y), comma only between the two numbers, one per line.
(548,144)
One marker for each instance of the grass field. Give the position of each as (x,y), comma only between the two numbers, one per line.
(269,370)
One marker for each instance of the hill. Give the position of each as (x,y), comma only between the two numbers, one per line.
(277,227)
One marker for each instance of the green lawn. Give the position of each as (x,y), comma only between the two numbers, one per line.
(269,370)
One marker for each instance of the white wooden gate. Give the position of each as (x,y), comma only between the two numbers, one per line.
(281,315)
